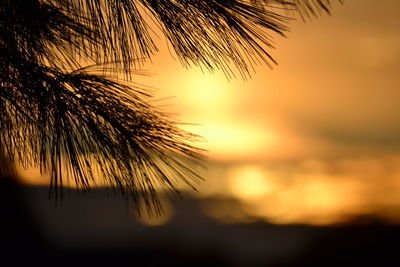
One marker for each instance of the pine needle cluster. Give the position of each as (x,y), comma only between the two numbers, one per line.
(60,115)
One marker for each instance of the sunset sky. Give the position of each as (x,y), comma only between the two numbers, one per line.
(319,135)
(334,92)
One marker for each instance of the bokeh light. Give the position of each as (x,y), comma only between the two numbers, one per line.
(249,183)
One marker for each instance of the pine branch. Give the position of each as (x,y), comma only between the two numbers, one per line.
(88,125)
(57,115)
(217,34)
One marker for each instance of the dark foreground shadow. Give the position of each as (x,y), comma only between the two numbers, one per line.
(373,244)
(191,239)
(21,241)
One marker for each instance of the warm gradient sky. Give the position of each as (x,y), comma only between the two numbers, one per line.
(334,92)
(317,139)
(318,136)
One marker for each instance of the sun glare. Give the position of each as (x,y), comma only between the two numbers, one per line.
(229,140)
(205,94)
(206,90)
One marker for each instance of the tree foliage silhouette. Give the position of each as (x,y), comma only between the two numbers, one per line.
(62,114)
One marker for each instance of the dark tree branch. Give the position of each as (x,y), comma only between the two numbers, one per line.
(56,114)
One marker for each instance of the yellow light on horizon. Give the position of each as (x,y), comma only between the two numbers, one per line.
(249,183)
(228,140)
(31,177)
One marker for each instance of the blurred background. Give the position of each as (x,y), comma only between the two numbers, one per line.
(303,168)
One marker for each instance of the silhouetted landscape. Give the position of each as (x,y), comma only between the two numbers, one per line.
(96,229)
(253,163)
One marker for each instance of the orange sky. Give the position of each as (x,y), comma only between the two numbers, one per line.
(318,136)
(334,92)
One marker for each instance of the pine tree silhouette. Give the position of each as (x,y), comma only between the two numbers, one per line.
(63,108)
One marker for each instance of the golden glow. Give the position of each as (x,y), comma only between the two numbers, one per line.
(205,92)
(31,176)
(335,113)
(225,139)
(249,183)
(310,192)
